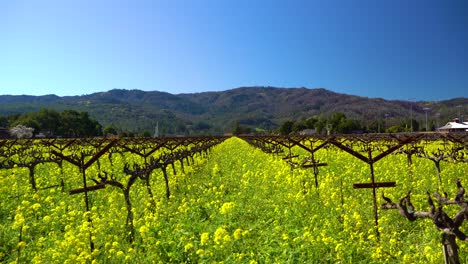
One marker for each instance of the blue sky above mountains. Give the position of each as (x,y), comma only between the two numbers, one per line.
(392,49)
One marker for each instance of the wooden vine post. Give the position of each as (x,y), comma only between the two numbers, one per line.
(288,143)
(79,161)
(370,160)
(312,162)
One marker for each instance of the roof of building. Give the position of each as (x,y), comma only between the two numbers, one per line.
(455,125)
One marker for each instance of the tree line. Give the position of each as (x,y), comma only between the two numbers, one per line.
(339,123)
(51,123)
(72,123)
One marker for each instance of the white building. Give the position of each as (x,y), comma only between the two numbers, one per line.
(455,126)
(307,132)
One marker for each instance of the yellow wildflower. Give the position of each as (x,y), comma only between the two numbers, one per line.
(226,208)
(204,238)
(221,235)
(237,234)
(188,247)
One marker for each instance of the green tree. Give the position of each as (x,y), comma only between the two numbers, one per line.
(28,121)
(126,134)
(202,126)
(90,127)
(311,122)
(432,126)
(341,124)
(110,130)
(320,124)
(145,134)
(415,125)
(48,120)
(236,128)
(298,127)
(286,128)
(239,129)
(395,129)
(78,124)
(336,122)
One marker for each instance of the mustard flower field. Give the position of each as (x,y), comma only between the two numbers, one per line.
(232,204)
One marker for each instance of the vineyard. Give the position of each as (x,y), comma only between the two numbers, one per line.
(390,198)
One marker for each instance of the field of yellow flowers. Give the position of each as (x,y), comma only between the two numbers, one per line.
(237,205)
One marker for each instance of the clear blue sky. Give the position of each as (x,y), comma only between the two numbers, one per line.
(395,49)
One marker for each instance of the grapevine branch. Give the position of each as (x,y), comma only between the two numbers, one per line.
(450,227)
(436,157)
(135,173)
(442,221)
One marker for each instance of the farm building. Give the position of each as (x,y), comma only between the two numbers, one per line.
(455,126)
(308,132)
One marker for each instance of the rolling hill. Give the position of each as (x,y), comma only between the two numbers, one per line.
(258,107)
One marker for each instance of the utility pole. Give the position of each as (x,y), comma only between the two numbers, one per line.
(156,130)
(386,125)
(426,109)
(459,115)
(411,113)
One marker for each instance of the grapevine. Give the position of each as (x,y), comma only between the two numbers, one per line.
(209,199)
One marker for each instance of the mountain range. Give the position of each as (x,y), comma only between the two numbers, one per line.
(261,108)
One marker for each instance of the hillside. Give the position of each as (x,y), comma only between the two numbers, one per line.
(257,107)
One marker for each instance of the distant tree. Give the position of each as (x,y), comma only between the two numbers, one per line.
(21,131)
(109,131)
(415,125)
(336,122)
(69,123)
(202,126)
(240,129)
(348,126)
(181,128)
(286,128)
(48,120)
(12,119)
(90,127)
(236,128)
(395,129)
(130,134)
(79,124)
(432,126)
(27,121)
(311,122)
(298,126)
(320,124)
(145,134)
(341,124)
